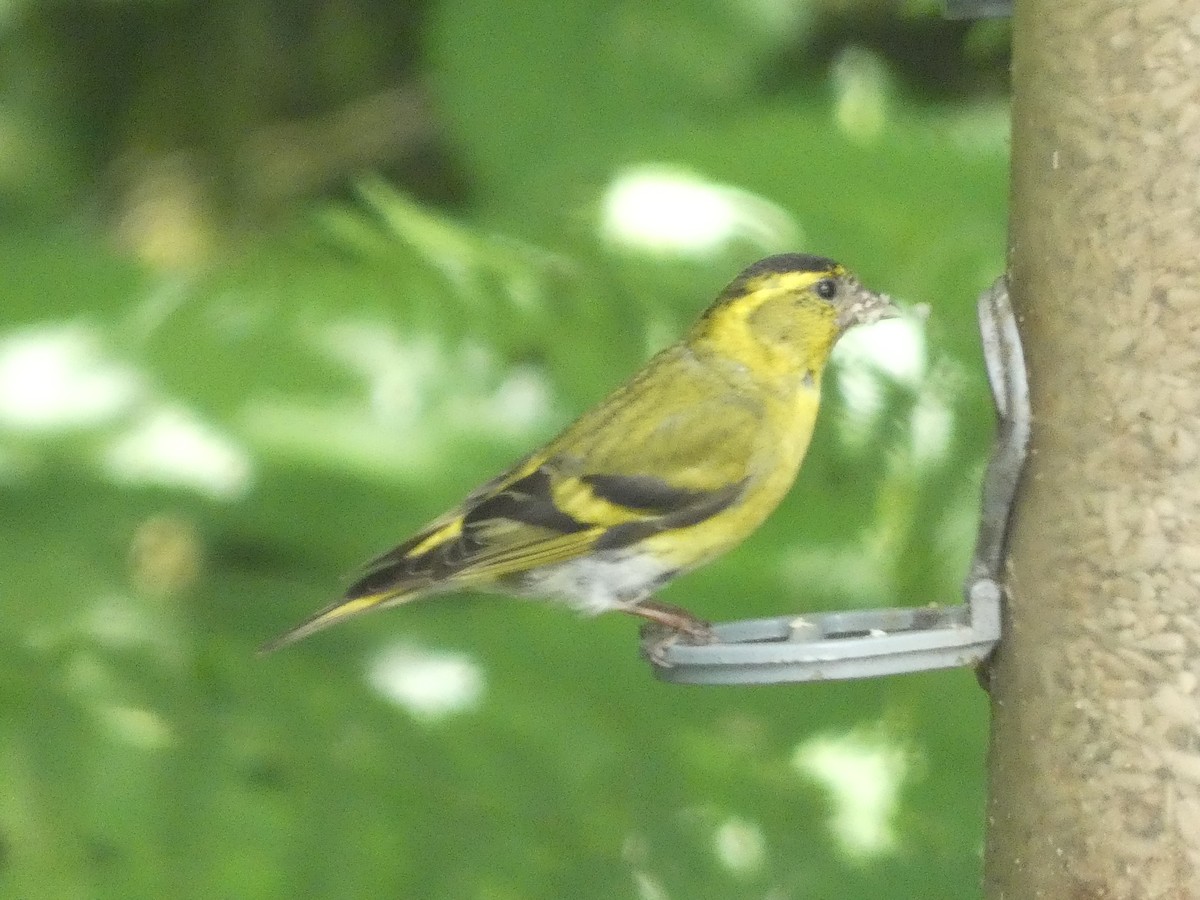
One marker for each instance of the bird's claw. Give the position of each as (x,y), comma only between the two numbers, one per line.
(657,639)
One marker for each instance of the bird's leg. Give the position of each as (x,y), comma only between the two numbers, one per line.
(676,618)
(666,625)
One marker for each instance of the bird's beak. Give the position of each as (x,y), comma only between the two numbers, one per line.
(863,307)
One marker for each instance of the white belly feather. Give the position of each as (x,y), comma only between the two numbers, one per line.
(601,582)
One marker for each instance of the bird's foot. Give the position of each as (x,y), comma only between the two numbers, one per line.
(666,626)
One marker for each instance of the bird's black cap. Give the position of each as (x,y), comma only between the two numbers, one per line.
(778,264)
(788,262)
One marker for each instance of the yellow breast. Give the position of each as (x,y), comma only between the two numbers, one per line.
(786,431)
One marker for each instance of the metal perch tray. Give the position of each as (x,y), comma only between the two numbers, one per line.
(868,643)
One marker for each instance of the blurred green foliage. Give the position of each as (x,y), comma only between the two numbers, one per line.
(282,280)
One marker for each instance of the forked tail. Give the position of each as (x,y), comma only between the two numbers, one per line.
(390,579)
(352,604)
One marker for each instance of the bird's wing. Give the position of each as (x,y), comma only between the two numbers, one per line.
(591,489)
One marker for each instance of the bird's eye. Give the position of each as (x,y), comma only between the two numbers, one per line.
(826,288)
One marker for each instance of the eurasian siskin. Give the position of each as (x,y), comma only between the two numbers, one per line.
(671,470)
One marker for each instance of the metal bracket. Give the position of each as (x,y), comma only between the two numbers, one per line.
(868,643)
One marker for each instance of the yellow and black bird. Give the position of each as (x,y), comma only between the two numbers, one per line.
(674,468)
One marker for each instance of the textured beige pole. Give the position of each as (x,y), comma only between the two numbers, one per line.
(1095,759)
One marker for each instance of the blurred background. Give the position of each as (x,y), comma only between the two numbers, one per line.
(279,281)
